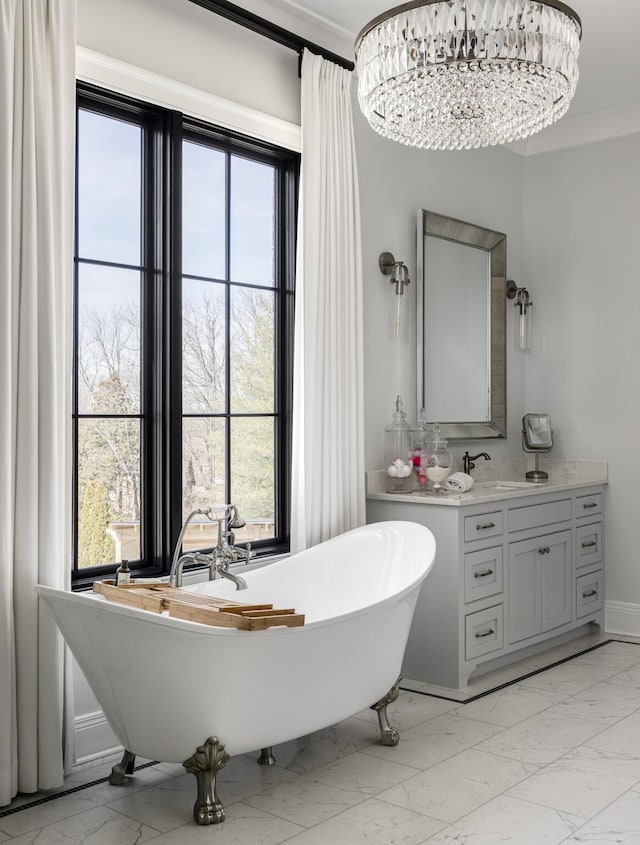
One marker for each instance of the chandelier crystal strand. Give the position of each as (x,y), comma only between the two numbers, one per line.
(460,74)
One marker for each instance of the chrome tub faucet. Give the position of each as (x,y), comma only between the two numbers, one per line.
(222,555)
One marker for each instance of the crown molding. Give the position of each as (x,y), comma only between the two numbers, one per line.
(107,72)
(578,131)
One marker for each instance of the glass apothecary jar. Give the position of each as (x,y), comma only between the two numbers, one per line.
(398,448)
(437,461)
(422,435)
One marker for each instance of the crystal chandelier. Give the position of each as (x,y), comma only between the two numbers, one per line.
(459,74)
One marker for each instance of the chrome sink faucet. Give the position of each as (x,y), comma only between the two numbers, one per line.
(467,460)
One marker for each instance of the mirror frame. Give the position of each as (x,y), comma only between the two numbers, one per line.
(495,243)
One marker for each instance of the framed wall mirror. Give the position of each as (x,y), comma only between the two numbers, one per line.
(461,331)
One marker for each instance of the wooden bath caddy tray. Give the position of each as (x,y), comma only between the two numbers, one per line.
(210,610)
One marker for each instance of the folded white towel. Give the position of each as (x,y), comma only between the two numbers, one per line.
(459,482)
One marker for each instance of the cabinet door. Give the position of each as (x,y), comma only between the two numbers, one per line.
(555,564)
(539,584)
(525,613)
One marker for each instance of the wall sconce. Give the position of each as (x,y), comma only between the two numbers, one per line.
(399,279)
(523,315)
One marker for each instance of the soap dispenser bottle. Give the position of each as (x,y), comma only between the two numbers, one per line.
(123,574)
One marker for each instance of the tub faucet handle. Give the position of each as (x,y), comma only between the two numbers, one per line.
(235,520)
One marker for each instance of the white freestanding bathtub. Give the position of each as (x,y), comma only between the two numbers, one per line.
(171,687)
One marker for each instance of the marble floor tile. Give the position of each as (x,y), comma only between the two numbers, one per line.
(99,826)
(620,655)
(622,738)
(372,822)
(243,825)
(619,822)
(314,750)
(603,702)
(164,807)
(243,776)
(358,770)
(460,784)
(554,758)
(570,678)
(509,820)
(629,677)
(514,671)
(509,706)
(318,795)
(410,709)
(176,770)
(542,738)
(582,783)
(103,793)
(435,740)
(48,813)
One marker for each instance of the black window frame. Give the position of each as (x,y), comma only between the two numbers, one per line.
(161,347)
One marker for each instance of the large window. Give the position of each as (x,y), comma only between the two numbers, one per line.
(183,316)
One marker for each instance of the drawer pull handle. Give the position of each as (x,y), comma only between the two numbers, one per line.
(484,634)
(589,593)
(483,574)
(544,550)
(486,525)
(590,505)
(589,545)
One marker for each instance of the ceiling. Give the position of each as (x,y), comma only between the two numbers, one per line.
(609,58)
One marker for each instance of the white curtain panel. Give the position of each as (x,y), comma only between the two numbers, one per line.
(328,416)
(37,117)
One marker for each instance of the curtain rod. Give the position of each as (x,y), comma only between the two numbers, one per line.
(270,30)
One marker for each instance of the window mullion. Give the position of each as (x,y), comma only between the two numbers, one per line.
(172,335)
(227,336)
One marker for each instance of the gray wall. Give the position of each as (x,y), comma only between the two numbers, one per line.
(582,225)
(484,187)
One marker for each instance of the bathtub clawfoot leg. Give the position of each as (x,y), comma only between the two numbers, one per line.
(266,757)
(388,734)
(205,763)
(125,767)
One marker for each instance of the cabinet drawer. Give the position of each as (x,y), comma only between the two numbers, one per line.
(588,544)
(588,594)
(482,573)
(484,631)
(535,516)
(588,505)
(482,525)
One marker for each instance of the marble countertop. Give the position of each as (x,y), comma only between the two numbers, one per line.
(499,480)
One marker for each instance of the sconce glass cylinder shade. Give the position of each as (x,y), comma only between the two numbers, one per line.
(399,280)
(399,273)
(523,306)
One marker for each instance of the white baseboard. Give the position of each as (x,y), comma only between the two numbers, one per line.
(93,738)
(622,618)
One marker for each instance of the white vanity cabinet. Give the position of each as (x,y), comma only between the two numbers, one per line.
(510,574)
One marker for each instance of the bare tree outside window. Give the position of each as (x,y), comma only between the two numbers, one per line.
(227,308)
